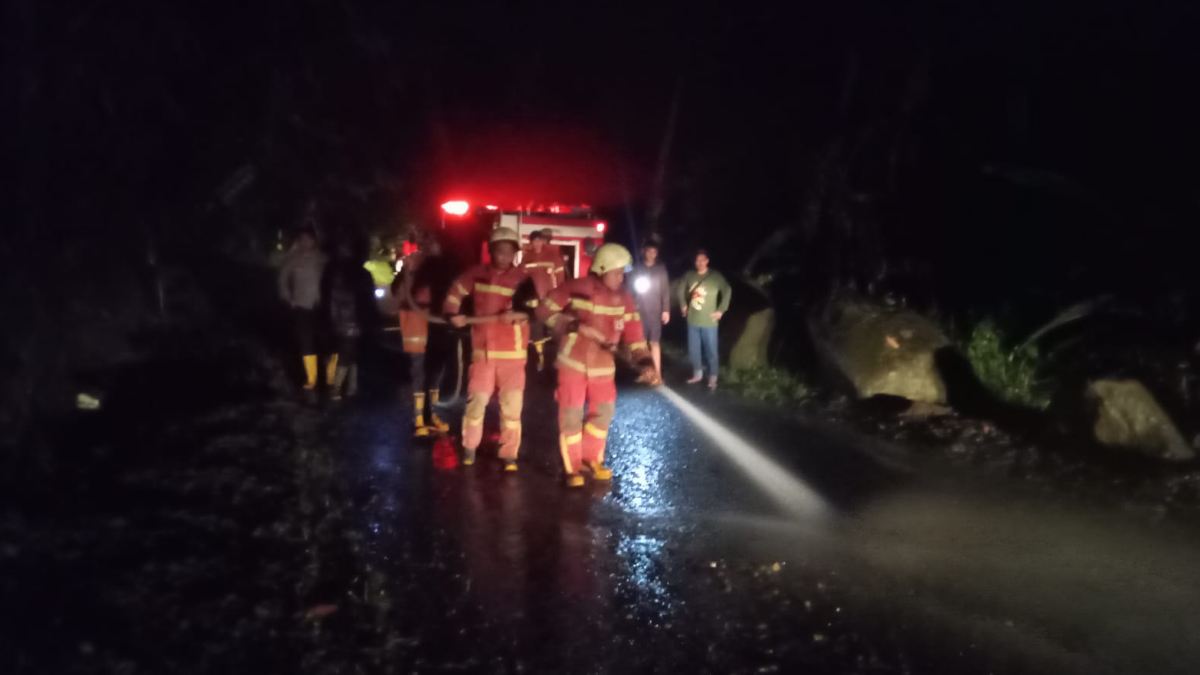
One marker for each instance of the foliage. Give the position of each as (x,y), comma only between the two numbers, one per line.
(768,384)
(1010,373)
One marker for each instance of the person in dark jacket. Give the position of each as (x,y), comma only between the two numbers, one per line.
(347,293)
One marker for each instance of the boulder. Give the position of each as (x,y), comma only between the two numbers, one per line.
(876,350)
(746,330)
(750,346)
(1124,414)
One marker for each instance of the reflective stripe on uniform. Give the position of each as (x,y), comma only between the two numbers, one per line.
(460,289)
(580,367)
(512,424)
(519,346)
(565,442)
(571,363)
(566,349)
(492,288)
(639,346)
(585,305)
(595,431)
(497,355)
(609,310)
(633,316)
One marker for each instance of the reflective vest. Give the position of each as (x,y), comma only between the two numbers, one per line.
(613,313)
(492,291)
(414,326)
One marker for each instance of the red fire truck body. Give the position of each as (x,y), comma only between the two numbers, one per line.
(575,230)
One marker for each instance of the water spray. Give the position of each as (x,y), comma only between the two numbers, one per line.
(789,492)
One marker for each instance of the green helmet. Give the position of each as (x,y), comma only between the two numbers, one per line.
(611,257)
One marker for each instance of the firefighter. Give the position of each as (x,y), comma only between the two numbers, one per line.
(424,360)
(300,288)
(499,340)
(544,264)
(593,314)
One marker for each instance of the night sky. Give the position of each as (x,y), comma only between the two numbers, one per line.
(1062,134)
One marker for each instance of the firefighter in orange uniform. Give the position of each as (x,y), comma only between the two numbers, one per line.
(593,315)
(416,297)
(499,340)
(544,264)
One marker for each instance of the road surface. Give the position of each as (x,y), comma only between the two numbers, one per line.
(265,537)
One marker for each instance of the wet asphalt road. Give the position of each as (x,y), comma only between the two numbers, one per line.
(271,538)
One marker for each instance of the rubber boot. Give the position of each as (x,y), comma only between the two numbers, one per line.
(331,367)
(339,380)
(435,421)
(468,457)
(599,471)
(574,480)
(419,428)
(310,378)
(352,381)
(510,466)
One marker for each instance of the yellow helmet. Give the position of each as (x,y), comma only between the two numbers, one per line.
(611,257)
(505,234)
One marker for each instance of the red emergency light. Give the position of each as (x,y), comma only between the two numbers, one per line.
(601,226)
(456,208)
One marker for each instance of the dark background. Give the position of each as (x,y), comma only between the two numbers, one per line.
(970,157)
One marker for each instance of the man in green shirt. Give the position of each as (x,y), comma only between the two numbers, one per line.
(704,297)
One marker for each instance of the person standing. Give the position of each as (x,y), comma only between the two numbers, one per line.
(704,297)
(300,288)
(418,284)
(346,292)
(653,288)
(593,315)
(499,344)
(543,262)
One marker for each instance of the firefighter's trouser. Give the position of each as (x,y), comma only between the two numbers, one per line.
(485,377)
(582,438)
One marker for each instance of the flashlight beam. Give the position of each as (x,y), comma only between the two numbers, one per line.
(789,492)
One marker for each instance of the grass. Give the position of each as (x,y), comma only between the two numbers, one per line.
(768,384)
(1010,373)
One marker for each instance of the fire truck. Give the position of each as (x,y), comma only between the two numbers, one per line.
(575,228)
